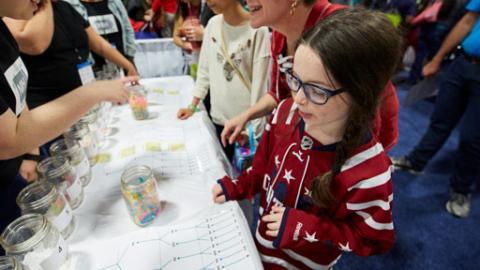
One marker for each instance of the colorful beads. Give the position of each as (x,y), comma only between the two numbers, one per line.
(139,189)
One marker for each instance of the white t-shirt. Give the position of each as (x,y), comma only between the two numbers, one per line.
(249,50)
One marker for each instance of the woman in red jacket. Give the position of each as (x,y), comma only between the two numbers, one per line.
(289,19)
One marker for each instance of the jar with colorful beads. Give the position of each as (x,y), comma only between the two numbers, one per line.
(58,171)
(42,197)
(138,102)
(139,189)
(76,156)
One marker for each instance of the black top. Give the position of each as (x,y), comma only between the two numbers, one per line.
(106,24)
(8,56)
(54,73)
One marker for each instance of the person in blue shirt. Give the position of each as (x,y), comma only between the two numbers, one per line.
(459,98)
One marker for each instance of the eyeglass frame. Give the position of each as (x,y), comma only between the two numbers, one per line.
(329,93)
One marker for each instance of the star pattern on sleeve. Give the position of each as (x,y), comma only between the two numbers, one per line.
(345,247)
(288,176)
(310,237)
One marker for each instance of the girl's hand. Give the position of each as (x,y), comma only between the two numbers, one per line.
(273,220)
(184,113)
(194,33)
(218,196)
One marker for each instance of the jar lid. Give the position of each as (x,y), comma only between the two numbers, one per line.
(24,233)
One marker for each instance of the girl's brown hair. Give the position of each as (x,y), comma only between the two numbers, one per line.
(360,49)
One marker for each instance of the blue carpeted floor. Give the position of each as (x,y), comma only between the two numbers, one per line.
(427,237)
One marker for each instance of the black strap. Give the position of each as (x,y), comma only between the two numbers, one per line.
(33,157)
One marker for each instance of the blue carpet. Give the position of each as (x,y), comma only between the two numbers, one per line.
(427,237)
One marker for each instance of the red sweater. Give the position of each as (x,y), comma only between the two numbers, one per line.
(286,162)
(386,126)
(169,6)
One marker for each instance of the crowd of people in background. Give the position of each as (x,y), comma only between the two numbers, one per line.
(313,76)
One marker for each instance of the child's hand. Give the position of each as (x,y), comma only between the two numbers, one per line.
(273,220)
(184,113)
(242,138)
(217,192)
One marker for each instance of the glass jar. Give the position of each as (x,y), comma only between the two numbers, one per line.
(76,156)
(139,189)
(90,119)
(34,242)
(80,133)
(10,263)
(58,171)
(43,198)
(138,102)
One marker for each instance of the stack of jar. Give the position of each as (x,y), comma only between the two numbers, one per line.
(34,242)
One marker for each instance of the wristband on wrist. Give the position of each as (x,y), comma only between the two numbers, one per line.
(193,108)
(33,157)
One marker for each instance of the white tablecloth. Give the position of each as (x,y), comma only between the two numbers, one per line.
(186,158)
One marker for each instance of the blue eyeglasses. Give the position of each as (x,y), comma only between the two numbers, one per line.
(313,92)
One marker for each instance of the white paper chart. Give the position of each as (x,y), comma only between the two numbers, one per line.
(217,238)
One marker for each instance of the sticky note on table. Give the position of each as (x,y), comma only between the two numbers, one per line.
(174,92)
(103,158)
(127,152)
(153,147)
(158,91)
(174,147)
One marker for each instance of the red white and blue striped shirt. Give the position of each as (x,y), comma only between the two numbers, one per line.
(286,162)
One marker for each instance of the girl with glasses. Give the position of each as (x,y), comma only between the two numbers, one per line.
(323,178)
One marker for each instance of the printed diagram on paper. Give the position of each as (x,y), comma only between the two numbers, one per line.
(216,239)
(173,149)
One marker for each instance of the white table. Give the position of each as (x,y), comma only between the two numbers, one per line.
(187,160)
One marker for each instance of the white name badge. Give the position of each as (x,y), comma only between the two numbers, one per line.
(17,78)
(85,72)
(104,24)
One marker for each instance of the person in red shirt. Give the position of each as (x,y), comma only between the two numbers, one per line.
(324,180)
(289,20)
(163,14)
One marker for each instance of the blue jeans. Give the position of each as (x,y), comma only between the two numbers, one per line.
(459,97)
(10,210)
(430,40)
